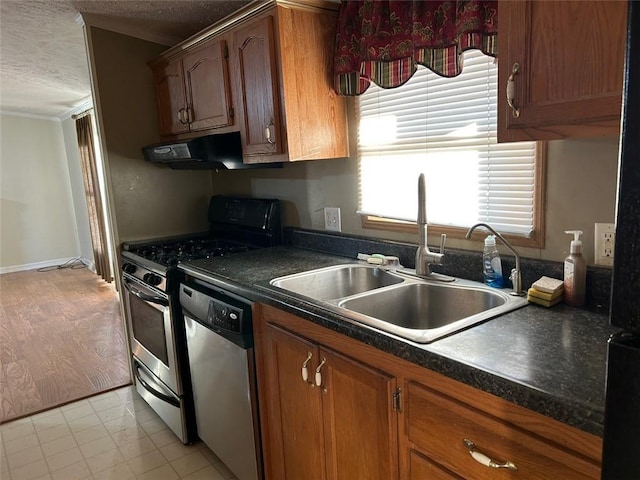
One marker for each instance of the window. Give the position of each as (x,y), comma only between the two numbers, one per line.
(446,128)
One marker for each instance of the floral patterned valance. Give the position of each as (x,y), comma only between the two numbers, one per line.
(383,41)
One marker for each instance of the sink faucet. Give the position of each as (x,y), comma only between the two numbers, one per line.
(424,256)
(516,275)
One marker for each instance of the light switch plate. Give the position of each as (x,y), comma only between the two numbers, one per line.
(605,239)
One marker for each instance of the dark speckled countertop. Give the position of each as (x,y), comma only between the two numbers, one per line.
(551,361)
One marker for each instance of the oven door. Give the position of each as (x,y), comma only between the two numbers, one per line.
(152,331)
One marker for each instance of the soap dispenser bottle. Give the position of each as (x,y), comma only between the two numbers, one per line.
(491,264)
(575,272)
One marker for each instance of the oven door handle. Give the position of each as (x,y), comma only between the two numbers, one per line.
(153,391)
(145,296)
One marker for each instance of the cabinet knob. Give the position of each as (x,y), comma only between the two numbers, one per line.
(483,459)
(511,90)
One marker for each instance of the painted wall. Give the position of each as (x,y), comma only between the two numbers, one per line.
(146,200)
(581,190)
(37,217)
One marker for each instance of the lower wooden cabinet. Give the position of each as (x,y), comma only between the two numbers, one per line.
(464,440)
(324,415)
(421,468)
(334,408)
(292,409)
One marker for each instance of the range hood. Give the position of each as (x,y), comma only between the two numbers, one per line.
(221,151)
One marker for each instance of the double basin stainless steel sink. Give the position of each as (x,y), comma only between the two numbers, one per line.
(421,310)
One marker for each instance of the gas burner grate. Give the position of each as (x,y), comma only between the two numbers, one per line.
(175,252)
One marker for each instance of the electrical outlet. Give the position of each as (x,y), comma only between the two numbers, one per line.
(332,219)
(604,245)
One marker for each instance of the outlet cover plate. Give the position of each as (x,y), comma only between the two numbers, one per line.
(605,239)
(332,219)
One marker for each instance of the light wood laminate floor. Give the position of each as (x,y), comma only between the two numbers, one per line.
(61,340)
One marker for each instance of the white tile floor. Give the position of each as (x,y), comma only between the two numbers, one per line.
(115,435)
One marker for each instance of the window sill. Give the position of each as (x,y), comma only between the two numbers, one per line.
(378,223)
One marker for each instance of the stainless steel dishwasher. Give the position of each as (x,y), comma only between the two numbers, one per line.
(221,360)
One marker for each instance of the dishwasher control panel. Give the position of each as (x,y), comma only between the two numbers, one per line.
(225,316)
(221,312)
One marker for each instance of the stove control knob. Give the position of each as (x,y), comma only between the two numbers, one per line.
(152,279)
(129,268)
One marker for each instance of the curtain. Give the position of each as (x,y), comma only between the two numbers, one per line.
(383,41)
(84,130)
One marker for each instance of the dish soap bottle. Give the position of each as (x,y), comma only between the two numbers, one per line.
(575,272)
(491,265)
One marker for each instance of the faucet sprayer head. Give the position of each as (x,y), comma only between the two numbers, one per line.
(470,231)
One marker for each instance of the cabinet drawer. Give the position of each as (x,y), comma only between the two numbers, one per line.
(438,425)
(423,469)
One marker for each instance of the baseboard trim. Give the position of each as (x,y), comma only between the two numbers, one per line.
(47,263)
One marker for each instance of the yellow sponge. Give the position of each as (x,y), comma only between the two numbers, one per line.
(544,303)
(533,292)
(548,285)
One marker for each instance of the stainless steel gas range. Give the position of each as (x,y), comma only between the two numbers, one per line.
(151,280)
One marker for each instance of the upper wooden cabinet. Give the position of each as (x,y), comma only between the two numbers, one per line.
(569,58)
(283,63)
(193,91)
(257,80)
(277,77)
(170,97)
(206,78)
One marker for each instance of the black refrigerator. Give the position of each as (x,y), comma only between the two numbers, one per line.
(621,451)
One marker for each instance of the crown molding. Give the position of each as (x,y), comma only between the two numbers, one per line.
(79,20)
(125,26)
(85,104)
(30,115)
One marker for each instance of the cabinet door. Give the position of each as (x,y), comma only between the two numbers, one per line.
(294,411)
(570,57)
(170,94)
(206,74)
(255,49)
(359,419)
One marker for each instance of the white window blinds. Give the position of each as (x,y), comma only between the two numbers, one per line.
(446,129)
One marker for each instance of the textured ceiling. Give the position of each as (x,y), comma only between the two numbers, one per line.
(43,63)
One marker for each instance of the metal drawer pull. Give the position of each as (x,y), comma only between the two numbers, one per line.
(511,90)
(305,368)
(181,115)
(318,374)
(267,133)
(484,460)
